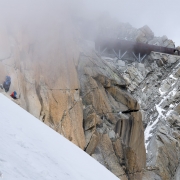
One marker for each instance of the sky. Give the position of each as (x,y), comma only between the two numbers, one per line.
(162,16)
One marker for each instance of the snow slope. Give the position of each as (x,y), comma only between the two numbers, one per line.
(30,150)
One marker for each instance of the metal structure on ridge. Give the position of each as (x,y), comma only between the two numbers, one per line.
(121,47)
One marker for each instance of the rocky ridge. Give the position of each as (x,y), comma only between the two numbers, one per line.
(156,88)
(83,105)
(114,139)
(100,104)
(113,29)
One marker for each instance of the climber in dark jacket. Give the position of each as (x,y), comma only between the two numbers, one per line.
(7,83)
(14,95)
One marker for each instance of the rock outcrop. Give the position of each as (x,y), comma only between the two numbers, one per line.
(156,88)
(154,83)
(125,31)
(115,139)
(101,104)
(43,72)
(77,94)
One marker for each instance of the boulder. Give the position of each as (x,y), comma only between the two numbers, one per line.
(111,134)
(147,31)
(118,149)
(144,34)
(172,59)
(110,158)
(167,158)
(90,121)
(93,143)
(123,97)
(177,108)
(133,143)
(177,74)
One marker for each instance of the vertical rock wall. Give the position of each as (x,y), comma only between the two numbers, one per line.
(156,88)
(79,95)
(95,104)
(114,138)
(43,72)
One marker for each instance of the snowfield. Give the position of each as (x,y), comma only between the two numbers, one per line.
(30,150)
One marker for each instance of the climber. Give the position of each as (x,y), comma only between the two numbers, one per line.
(7,83)
(14,95)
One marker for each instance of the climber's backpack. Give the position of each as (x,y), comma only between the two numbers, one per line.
(15,94)
(7,83)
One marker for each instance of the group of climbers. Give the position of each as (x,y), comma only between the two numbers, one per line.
(6,85)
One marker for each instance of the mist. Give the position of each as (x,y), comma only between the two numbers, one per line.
(161,16)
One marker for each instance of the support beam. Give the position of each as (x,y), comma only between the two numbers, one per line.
(139,57)
(119,54)
(123,55)
(135,56)
(115,53)
(143,57)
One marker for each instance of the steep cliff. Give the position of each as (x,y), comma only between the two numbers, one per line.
(42,62)
(156,88)
(101,104)
(78,94)
(114,139)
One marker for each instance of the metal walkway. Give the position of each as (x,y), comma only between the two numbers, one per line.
(121,47)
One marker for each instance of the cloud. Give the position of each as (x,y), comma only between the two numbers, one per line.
(162,16)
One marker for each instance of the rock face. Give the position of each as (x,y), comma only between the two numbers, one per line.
(77,94)
(125,31)
(115,139)
(157,94)
(100,104)
(44,74)
(154,83)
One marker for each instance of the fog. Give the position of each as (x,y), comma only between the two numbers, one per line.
(162,16)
